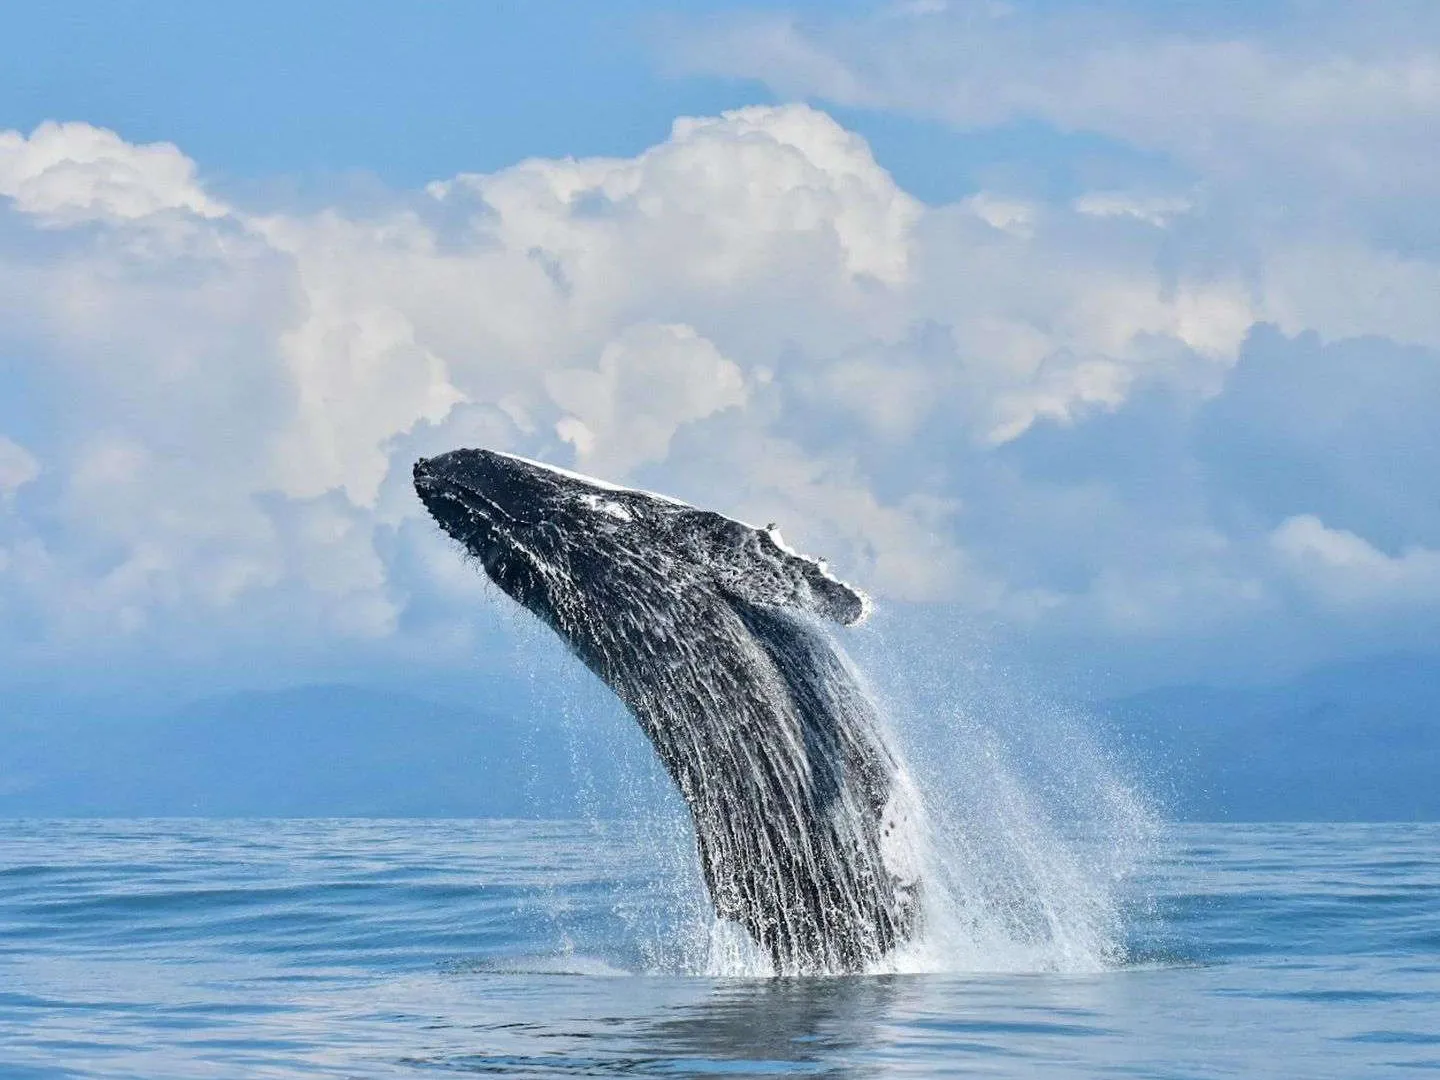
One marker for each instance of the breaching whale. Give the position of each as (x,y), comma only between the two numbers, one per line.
(705,628)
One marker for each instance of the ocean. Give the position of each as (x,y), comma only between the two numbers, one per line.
(186,949)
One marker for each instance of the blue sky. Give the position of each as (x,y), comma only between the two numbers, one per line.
(1102,331)
(407,92)
(284,100)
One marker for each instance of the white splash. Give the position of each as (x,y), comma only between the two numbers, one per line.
(1002,816)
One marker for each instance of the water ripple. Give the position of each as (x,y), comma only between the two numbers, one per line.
(169,950)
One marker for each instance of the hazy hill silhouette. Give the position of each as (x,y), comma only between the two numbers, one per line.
(315,751)
(1355,741)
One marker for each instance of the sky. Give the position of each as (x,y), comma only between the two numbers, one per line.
(1101,338)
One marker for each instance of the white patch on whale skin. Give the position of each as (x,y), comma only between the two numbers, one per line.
(607,506)
(901,835)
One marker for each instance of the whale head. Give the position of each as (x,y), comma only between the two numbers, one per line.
(557,543)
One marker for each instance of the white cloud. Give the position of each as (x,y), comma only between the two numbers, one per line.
(1015,216)
(748,194)
(75,172)
(892,396)
(1052,320)
(1009,404)
(17,466)
(247,393)
(1344,289)
(1346,90)
(359,378)
(1346,569)
(1061,393)
(1156,210)
(650,381)
(1304,140)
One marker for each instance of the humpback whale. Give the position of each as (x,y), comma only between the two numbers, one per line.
(707,629)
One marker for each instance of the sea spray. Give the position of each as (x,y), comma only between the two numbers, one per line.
(1026,832)
(1032,828)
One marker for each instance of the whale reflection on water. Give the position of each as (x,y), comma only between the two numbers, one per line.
(733,1027)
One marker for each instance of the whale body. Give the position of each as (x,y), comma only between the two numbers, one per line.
(706,628)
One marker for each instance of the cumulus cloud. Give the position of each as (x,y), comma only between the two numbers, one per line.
(246,392)
(649,382)
(17,466)
(1094,417)
(1054,320)
(756,193)
(1344,568)
(1295,147)
(359,378)
(1156,210)
(67,173)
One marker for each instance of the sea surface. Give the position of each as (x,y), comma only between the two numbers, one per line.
(211,948)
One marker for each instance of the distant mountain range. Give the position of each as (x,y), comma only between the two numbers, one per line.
(1346,742)
(320,751)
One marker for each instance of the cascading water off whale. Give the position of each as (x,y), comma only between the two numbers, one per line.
(703,626)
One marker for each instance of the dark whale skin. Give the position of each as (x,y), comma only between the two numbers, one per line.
(704,627)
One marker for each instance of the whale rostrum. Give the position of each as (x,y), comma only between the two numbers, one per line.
(706,628)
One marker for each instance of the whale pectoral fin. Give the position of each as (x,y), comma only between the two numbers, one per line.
(756,565)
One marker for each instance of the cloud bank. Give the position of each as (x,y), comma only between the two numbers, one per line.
(1154,423)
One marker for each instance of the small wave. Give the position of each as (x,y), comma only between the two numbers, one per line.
(562,964)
